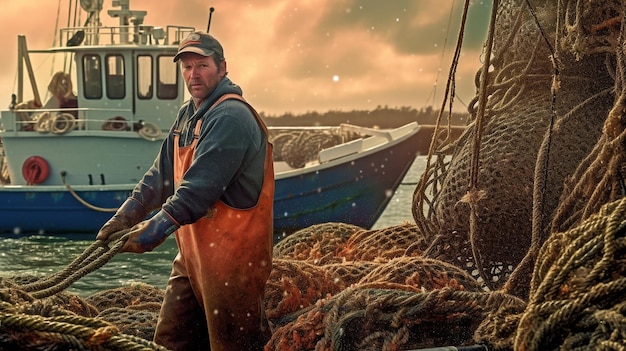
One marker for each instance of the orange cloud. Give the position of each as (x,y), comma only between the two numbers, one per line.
(299,55)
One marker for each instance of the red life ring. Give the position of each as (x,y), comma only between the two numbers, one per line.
(35,170)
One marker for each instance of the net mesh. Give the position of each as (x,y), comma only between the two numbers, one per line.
(543,116)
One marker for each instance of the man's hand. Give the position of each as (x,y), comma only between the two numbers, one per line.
(130,213)
(150,233)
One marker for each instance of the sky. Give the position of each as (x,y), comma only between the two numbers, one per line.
(297,56)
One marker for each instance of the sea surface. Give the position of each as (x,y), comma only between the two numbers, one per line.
(42,256)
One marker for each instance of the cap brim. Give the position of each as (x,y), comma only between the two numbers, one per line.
(193,50)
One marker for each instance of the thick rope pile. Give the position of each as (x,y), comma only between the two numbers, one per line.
(577,292)
(36,314)
(23,331)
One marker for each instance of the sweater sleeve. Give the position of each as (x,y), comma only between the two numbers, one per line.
(156,184)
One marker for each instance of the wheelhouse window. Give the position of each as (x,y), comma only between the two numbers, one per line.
(167,77)
(145,82)
(115,77)
(92,77)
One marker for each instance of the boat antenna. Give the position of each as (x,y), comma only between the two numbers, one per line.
(210,15)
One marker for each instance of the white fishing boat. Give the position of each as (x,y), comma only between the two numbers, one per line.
(70,161)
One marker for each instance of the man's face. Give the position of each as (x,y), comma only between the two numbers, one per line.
(201,75)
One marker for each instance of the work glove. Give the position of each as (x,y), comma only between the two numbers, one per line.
(150,233)
(130,213)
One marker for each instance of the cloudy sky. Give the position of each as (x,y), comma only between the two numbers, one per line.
(300,55)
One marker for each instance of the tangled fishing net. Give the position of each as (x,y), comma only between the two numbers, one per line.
(381,299)
(519,240)
(297,148)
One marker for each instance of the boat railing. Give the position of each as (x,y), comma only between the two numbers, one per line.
(62,120)
(123,35)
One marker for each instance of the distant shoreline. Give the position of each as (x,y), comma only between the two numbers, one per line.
(382,117)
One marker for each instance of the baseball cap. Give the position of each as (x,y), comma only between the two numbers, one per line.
(200,43)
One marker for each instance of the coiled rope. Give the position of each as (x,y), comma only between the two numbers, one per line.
(63,327)
(76,332)
(578,286)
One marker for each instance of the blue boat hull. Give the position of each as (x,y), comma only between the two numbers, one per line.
(51,210)
(355,192)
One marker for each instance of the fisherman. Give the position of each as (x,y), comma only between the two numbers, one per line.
(62,95)
(212,184)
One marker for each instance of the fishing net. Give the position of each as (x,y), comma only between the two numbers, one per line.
(318,243)
(297,148)
(381,299)
(68,322)
(371,317)
(295,284)
(385,243)
(126,296)
(542,117)
(137,320)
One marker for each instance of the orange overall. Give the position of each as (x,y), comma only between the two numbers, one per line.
(219,275)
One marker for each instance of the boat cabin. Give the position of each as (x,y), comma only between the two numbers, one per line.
(124,77)
(111,104)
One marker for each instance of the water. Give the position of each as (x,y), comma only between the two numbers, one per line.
(44,255)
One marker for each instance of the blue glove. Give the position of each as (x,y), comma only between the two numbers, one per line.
(150,233)
(130,213)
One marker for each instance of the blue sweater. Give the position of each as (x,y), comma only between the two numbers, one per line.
(228,160)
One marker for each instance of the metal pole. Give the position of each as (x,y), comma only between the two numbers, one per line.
(210,15)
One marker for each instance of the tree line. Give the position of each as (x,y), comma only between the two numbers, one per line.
(382,117)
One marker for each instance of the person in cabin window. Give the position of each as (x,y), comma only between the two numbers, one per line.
(212,184)
(62,95)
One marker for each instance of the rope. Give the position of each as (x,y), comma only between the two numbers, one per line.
(474,195)
(83,202)
(520,275)
(149,131)
(426,176)
(62,123)
(73,331)
(92,258)
(65,328)
(578,286)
